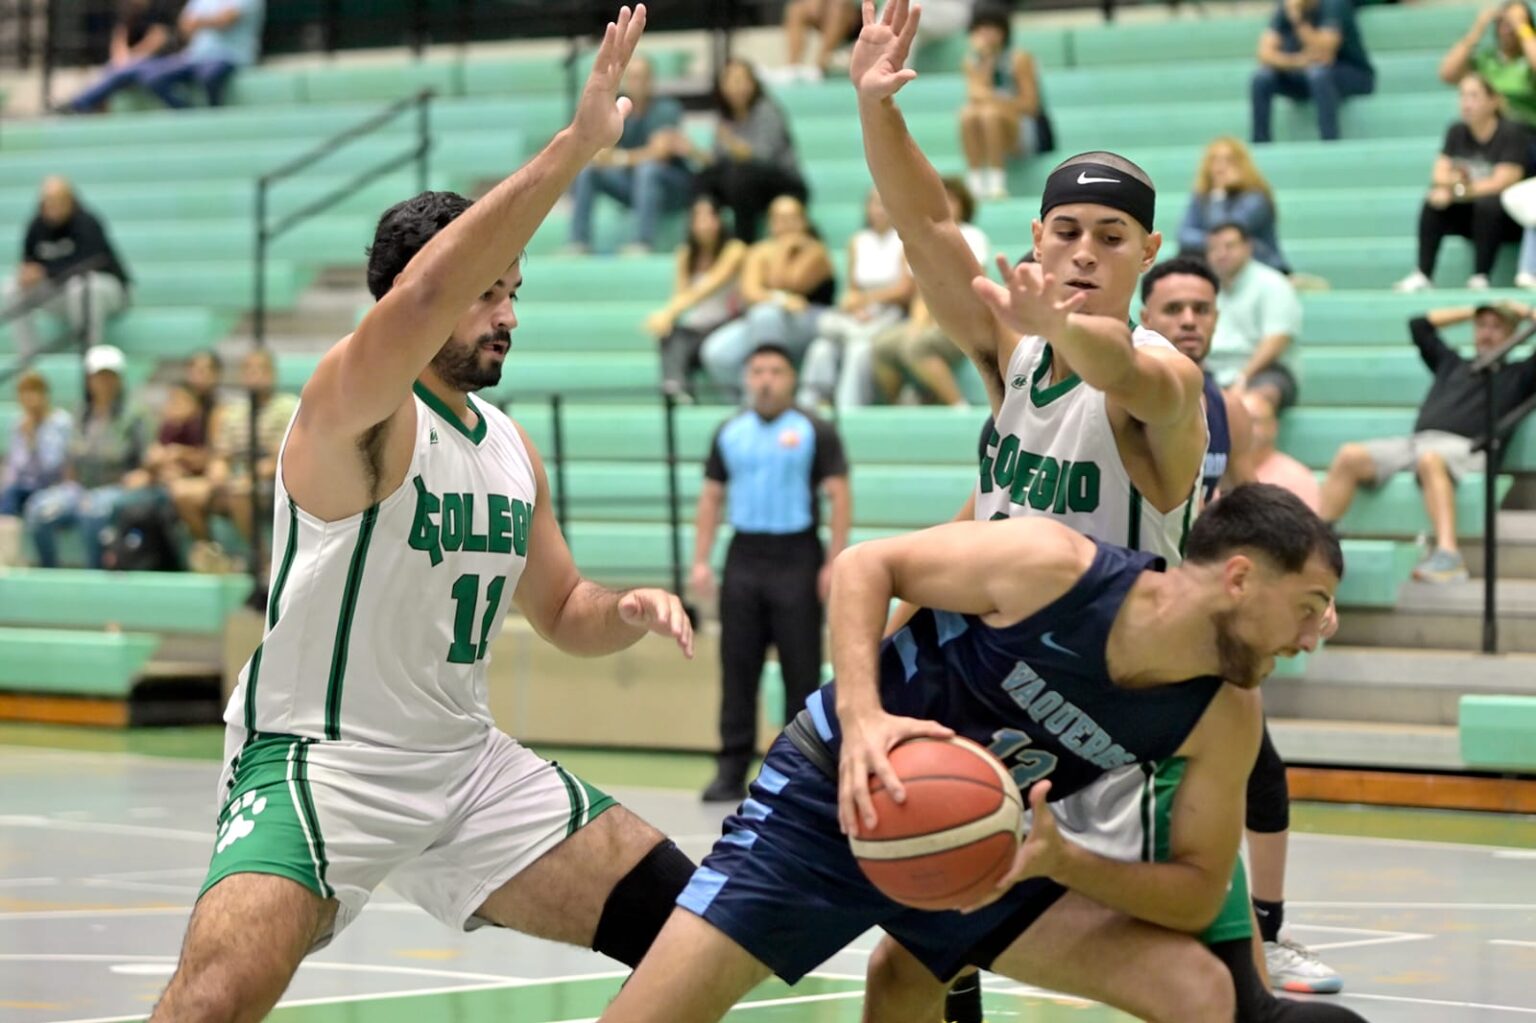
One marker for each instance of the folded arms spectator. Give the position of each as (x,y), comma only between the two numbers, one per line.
(1313,50)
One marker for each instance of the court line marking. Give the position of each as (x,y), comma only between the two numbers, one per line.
(27,820)
(1417,843)
(144,886)
(1442,1001)
(65,914)
(29,882)
(765,1003)
(1412,905)
(139,875)
(299,1003)
(309,964)
(1512,941)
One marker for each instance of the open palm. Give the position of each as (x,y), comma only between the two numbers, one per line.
(600,112)
(878,66)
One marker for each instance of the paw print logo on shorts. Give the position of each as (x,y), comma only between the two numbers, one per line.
(238,825)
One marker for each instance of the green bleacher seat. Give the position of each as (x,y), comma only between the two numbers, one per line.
(66,378)
(531,76)
(1373,572)
(1051,48)
(147,601)
(383,82)
(220,285)
(1346,317)
(1498,732)
(1396,509)
(267,85)
(72,662)
(165,331)
(1313,435)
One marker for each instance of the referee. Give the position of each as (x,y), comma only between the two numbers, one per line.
(773,458)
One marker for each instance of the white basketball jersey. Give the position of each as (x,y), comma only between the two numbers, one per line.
(379,625)
(1053,452)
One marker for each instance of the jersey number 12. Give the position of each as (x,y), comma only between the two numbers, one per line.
(466,594)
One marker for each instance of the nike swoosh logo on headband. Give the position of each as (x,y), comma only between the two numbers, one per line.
(1084,179)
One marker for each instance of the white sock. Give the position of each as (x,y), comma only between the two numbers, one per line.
(997,181)
(976,181)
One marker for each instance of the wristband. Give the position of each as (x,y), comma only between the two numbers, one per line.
(1526,32)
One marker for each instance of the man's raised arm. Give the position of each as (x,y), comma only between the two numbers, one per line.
(367,379)
(941,261)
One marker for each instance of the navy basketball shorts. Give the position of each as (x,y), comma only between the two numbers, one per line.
(783,884)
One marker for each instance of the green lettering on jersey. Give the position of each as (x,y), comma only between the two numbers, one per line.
(446,522)
(1038,481)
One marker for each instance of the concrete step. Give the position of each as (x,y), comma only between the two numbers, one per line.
(1447,617)
(1323,743)
(1517,547)
(1395,685)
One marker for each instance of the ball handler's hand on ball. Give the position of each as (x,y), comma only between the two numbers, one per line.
(1025,302)
(867,742)
(1039,855)
(600,112)
(660,612)
(878,65)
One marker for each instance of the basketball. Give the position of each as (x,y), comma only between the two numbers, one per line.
(956,834)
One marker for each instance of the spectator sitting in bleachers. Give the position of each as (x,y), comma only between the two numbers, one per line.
(202,374)
(225,489)
(222,36)
(643,172)
(1259,324)
(916,348)
(838,363)
(1270,464)
(1229,189)
(706,296)
(1004,115)
(180,449)
(62,236)
(753,159)
(1483,154)
(786,283)
(34,460)
(835,23)
(107,445)
(144,29)
(1313,50)
(1452,413)
(1505,64)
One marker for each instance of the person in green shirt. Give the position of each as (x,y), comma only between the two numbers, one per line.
(1506,63)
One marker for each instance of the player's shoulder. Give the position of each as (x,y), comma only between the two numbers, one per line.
(1232,721)
(1146,337)
(1049,544)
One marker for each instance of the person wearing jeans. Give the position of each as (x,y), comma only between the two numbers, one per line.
(788,282)
(644,171)
(144,29)
(1313,50)
(222,36)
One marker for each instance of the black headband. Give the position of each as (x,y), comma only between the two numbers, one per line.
(1103,186)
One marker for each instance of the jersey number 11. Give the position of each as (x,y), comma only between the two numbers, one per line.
(466,594)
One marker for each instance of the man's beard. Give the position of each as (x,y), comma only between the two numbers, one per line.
(460,368)
(1240,663)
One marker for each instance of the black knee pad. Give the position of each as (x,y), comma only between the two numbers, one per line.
(640,903)
(1269,797)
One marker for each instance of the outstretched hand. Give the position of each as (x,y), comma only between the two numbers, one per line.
(600,112)
(659,612)
(1024,302)
(878,66)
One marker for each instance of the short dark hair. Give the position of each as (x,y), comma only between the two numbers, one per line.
(1189,266)
(1229,225)
(961,193)
(1106,158)
(1268,519)
(404,230)
(769,348)
(994,15)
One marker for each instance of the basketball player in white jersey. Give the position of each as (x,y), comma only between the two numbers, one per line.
(1099,423)
(408,517)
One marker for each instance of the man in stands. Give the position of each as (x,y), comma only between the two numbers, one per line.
(1259,323)
(1313,50)
(145,29)
(1450,417)
(222,36)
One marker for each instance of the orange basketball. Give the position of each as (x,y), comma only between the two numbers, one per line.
(956,834)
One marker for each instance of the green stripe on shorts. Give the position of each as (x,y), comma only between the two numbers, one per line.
(1232,921)
(588,802)
(269,824)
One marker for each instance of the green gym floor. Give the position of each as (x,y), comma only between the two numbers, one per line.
(1429,916)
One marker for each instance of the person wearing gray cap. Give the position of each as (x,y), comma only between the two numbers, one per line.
(1453,413)
(108,443)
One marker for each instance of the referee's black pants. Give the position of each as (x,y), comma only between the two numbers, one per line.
(767,596)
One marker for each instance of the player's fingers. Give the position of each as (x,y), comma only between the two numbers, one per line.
(635,30)
(880,766)
(990,292)
(905,75)
(1005,268)
(909,29)
(869,12)
(624,106)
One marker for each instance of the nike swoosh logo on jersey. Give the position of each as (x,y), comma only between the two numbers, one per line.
(1084,179)
(1047,641)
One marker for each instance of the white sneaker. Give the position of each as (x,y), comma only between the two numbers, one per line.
(1294,967)
(1478,282)
(976,183)
(1415,281)
(1525,280)
(996,180)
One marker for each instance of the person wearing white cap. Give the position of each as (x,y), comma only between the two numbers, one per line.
(109,440)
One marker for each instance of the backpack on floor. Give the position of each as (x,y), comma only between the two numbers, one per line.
(142,538)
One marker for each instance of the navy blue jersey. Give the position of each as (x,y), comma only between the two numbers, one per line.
(1037,693)
(1218,450)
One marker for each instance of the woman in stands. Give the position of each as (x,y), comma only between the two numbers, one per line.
(1229,189)
(1506,63)
(705,297)
(1003,116)
(878,295)
(108,444)
(786,283)
(753,159)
